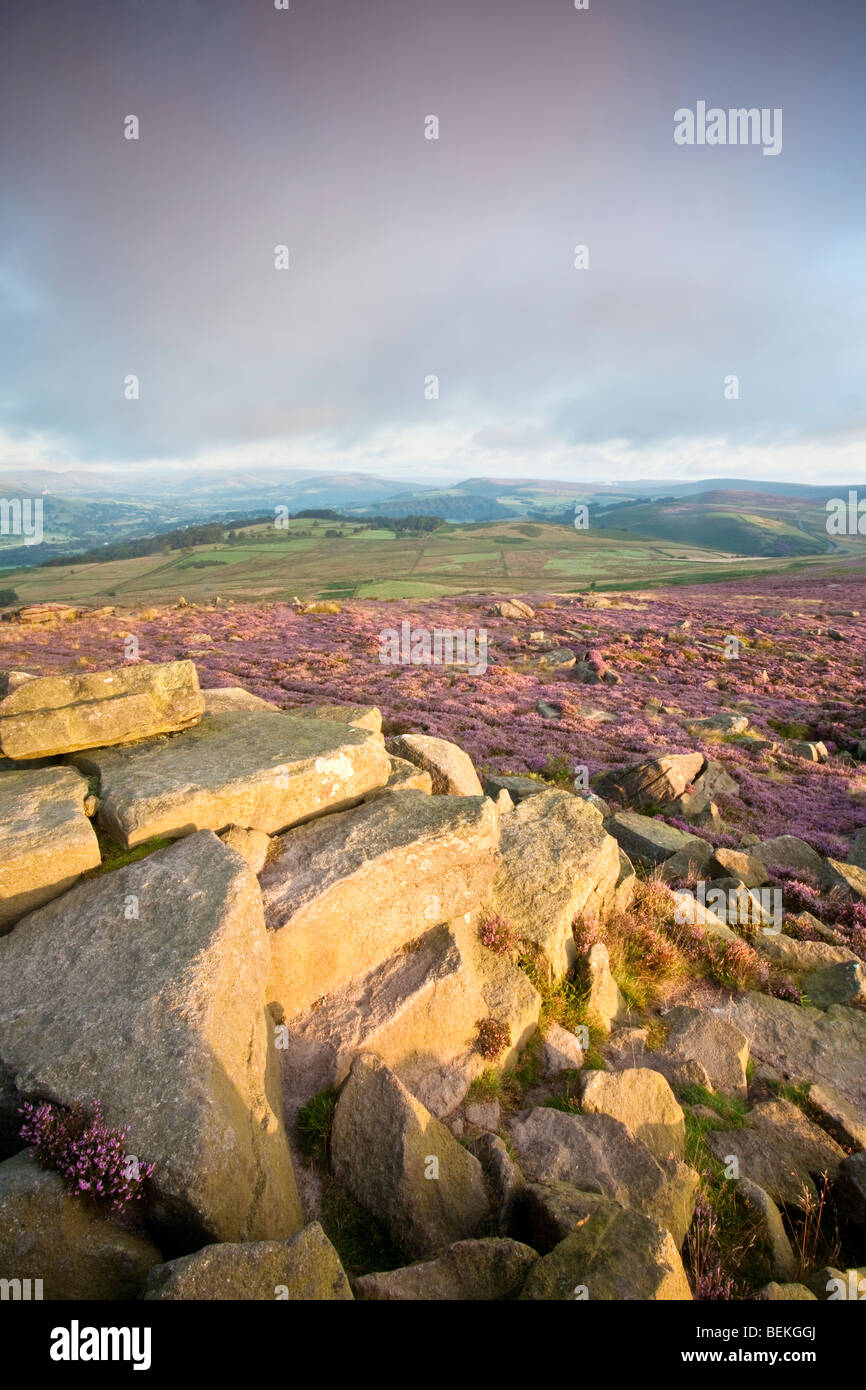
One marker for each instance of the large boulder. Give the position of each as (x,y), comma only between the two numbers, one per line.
(306,1268)
(343,893)
(807,1045)
(780,1150)
(557,861)
(451,769)
(846,878)
(645,1104)
(145,989)
(718,1045)
(604,999)
(419,1012)
(46,840)
(59,714)
(402,1164)
(598,1153)
(232,699)
(469,1270)
(262,770)
(612,1253)
(658,781)
(788,852)
(647,840)
(77,1251)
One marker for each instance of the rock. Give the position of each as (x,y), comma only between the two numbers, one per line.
(784,1293)
(450,768)
(548,711)
(838,1117)
(718,1045)
(419,1012)
(801,957)
(518,788)
(44,614)
(402,1164)
(697,808)
(658,781)
(604,999)
(681,1073)
(420,860)
(625,1048)
(812,752)
(626,884)
(230,699)
(586,674)
(483,1114)
(847,878)
(367,717)
(251,845)
(405,777)
(561,1052)
(688,862)
(732,863)
(10,680)
(512,608)
(503,1176)
(806,1044)
(59,714)
(557,861)
(598,1153)
(830,1285)
(690,911)
(780,1150)
(715,780)
(159,1014)
(646,840)
(851,1187)
(596,801)
(857,852)
(305,1268)
(718,725)
(46,840)
(261,771)
(842,983)
(788,852)
(784,1261)
(644,1102)
(75,1250)
(612,1254)
(469,1270)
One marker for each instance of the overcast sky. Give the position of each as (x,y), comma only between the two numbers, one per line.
(410,257)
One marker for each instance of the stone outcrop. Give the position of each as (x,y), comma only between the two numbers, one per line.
(262,770)
(60,714)
(305,1268)
(469,1270)
(46,840)
(146,988)
(450,769)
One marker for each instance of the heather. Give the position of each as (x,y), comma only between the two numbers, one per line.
(89,1155)
(667,646)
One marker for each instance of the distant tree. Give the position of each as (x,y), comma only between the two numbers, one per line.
(7,596)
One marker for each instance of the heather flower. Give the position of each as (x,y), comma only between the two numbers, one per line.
(497,935)
(493,1038)
(88,1155)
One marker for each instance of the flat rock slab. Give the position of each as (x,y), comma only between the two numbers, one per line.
(597,1153)
(402,1164)
(261,771)
(160,1016)
(419,1011)
(468,1271)
(347,891)
(806,1044)
(647,840)
(305,1268)
(720,1047)
(788,852)
(60,714)
(557,861)
(659,780)
(46,840)
(76,1251)
(231,699)
(780,1150)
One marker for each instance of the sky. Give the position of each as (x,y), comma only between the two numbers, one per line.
(412,258)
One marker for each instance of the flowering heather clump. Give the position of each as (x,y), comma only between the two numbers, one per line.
(497,935)
(709,1279)
(493,1038)
(79,1146)
(587,932)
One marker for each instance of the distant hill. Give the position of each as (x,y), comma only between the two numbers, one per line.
(741,523)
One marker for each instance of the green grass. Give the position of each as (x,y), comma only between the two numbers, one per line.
(362,1242)
(114,857)
(314,1125)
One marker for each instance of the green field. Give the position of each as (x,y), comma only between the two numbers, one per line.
(492,557)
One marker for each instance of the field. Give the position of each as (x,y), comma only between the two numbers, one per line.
(493,557)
